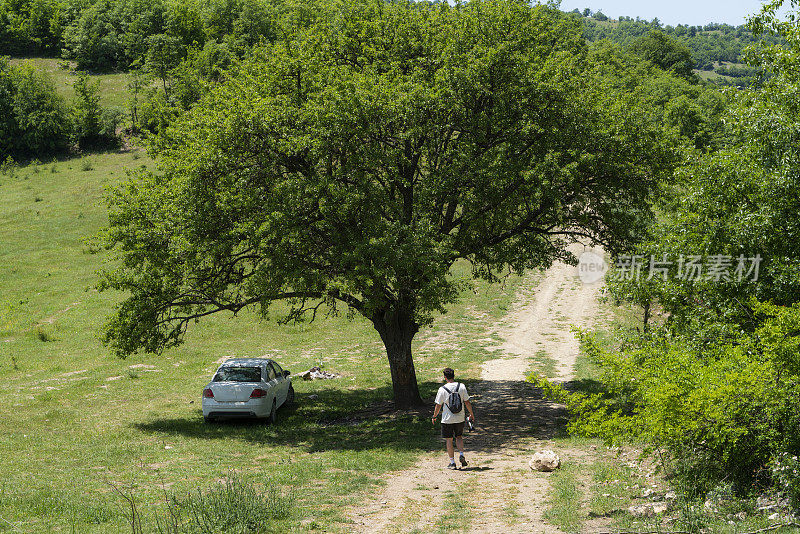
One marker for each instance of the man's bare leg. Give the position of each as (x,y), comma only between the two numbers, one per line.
(460,445)
(450,450)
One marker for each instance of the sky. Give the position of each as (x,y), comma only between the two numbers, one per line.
(673,12)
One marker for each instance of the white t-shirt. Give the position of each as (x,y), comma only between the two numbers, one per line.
(442,397)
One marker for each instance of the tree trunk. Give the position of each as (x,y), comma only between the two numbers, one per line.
(397,330)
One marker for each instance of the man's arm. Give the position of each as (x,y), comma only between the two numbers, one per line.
(468,404)
(436,411)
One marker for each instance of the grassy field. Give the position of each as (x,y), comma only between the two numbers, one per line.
(83,431)
(113,87)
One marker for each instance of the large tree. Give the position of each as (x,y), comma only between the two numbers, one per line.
(354,160)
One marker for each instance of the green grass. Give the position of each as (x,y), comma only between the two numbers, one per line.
(113,87)
(78,422)
(455,513)
(564,507)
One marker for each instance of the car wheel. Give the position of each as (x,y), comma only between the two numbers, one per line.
(273,414)
(290,396)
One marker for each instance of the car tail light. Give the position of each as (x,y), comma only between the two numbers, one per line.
(207,393)
(258,393)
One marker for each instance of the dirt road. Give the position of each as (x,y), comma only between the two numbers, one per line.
(503,494)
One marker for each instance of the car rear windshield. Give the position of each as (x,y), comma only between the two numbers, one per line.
(238,374)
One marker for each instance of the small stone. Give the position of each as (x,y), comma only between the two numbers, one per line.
(670,496)
(640,510)
(773,517)
(648,509)
(544,461)
(660,507)
(383,502)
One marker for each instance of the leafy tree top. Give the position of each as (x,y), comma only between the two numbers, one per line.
(356,159)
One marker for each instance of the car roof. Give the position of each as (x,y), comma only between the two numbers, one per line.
(245,361)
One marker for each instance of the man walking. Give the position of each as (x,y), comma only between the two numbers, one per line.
(451,400)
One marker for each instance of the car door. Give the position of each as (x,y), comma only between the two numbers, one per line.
(272,383)
(282,383)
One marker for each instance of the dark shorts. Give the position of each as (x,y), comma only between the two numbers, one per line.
(452,430)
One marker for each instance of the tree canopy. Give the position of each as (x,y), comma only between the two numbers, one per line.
(354,160)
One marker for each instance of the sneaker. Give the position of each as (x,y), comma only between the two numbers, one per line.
(463,461)
(452,465)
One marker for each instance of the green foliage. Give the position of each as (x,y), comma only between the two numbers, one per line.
(93,126)
(691,111)
(32,26)
(34,119)
(723,413)
(112,34)
(710,45)
(786,474)
(715,390)
(665,52)
(163,54)
(380,149)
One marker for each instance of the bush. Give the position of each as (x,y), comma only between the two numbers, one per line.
(93,125)
(34,119)
(786,474)
(31,26)
(723,413)
(112,34)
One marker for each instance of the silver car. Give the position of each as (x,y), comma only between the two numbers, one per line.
(247,387)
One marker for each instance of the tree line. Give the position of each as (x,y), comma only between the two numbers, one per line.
(710,45)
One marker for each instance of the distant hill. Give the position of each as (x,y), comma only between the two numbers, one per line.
(717,49)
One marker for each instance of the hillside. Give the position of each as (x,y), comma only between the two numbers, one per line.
(718,50)
(92,424)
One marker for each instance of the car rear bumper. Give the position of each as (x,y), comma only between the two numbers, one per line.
(252,408)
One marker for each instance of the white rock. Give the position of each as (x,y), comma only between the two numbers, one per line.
(641,510)
(670,496)
(545,461)
(774,516)
(660,507)
(648,509)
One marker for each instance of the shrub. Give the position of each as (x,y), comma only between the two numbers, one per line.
(93,125)
(34,119)
(112,34)
(723,412)
(785,470)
